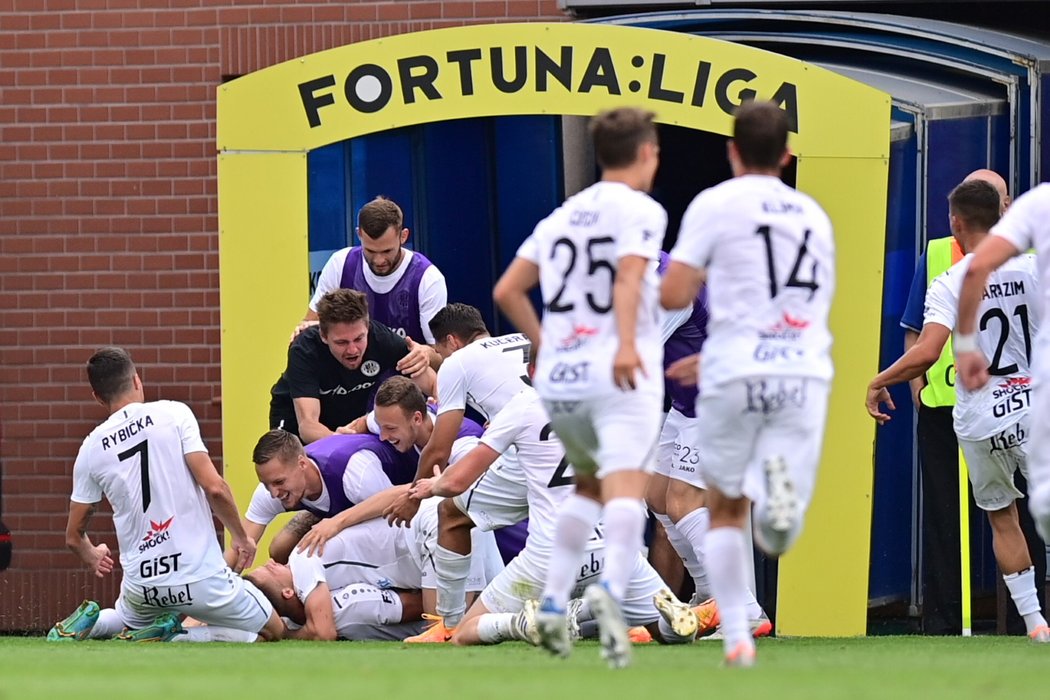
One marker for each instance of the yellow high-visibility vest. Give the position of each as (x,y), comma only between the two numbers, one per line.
(941,253)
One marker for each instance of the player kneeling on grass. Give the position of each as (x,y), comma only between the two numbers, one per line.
(507,607)
(149,461)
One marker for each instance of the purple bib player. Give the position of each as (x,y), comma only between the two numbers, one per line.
(333,452)
(398,308)
(686,340)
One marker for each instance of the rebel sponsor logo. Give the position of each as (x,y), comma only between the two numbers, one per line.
(166,596)
(1014,436)
(771,395)
(158,533)
(591,568)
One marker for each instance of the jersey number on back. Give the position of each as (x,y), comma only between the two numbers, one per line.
(559,478)
(593,266)
(1020,312)
(793,279)
(141,449)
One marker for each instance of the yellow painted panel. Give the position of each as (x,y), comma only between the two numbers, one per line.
(823,581)
(538,68)
(262,273)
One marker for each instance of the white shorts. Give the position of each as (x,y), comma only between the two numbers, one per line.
(615,433)
(678,451)
(222,600)
(375,553)
(499,498)
(748,421)
(991,464)
(485,561)
(524,577)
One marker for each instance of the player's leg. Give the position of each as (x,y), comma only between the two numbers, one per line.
(452,562)
(285,541)
(991,466)
(506,609)
(648,603)
(232,609)
(663,552)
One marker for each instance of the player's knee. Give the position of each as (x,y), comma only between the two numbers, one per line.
(450,517)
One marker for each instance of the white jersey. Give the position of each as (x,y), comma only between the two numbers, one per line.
(136,458)
(484,374)
(433,293)
(1024,226)
(577,249)
(524,424)
(770,261)
(1007,321)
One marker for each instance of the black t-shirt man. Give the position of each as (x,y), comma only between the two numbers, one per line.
(313,372)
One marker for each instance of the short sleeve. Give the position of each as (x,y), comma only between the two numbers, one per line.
(189,429)
(302,372)
(452,385)
(330,278)
(364,476)
(307,573)
(263,507)
(503,428)
(642,230)
(530,249)
(941,299)
(85,488)
(697,234)
(433,296)
(913,310)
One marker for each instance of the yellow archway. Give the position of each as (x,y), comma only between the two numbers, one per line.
(269,120)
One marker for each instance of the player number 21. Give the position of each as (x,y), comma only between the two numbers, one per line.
(793,279)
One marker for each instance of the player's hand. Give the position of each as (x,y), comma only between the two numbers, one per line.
(876,397)
(402,510)
(625,364)
(244,553)
(354,427)
(424,488)
(300,328)
(101,560)
(971,368)
(313,541)
(685,371)
(416,361)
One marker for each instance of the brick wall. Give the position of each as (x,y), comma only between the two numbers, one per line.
(108,228)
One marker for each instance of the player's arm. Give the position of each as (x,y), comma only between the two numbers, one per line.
(220,498)
(511,294)
(439,447)
(95,557)
(918,383)
(971,367)
(433,296)
(457,478)
(253,530)
(320,619)
(308,415)
(913,363)
(627,290)
(680,285)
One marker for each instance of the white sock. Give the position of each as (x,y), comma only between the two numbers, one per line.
(1022,589)
(574,527)
(494,628)
(451,570)
(624,526)
(368,605)
(211,633)
(724,552)
(689,532)
(108,625)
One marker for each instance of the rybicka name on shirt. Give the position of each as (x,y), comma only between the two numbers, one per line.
(1013,436)
(420,79)
(123,433)
(166,596)
(1009,288)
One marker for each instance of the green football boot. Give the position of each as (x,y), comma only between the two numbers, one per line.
(77,626)
(165,628)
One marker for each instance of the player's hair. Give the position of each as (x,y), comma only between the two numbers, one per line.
(618,133)
(376,217)
(976,202)
(341,306)
(401,391)
(277,443)
(272,590)
(111,373)
(760,132)
(461,320)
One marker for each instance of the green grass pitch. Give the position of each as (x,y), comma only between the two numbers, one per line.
(887,668)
